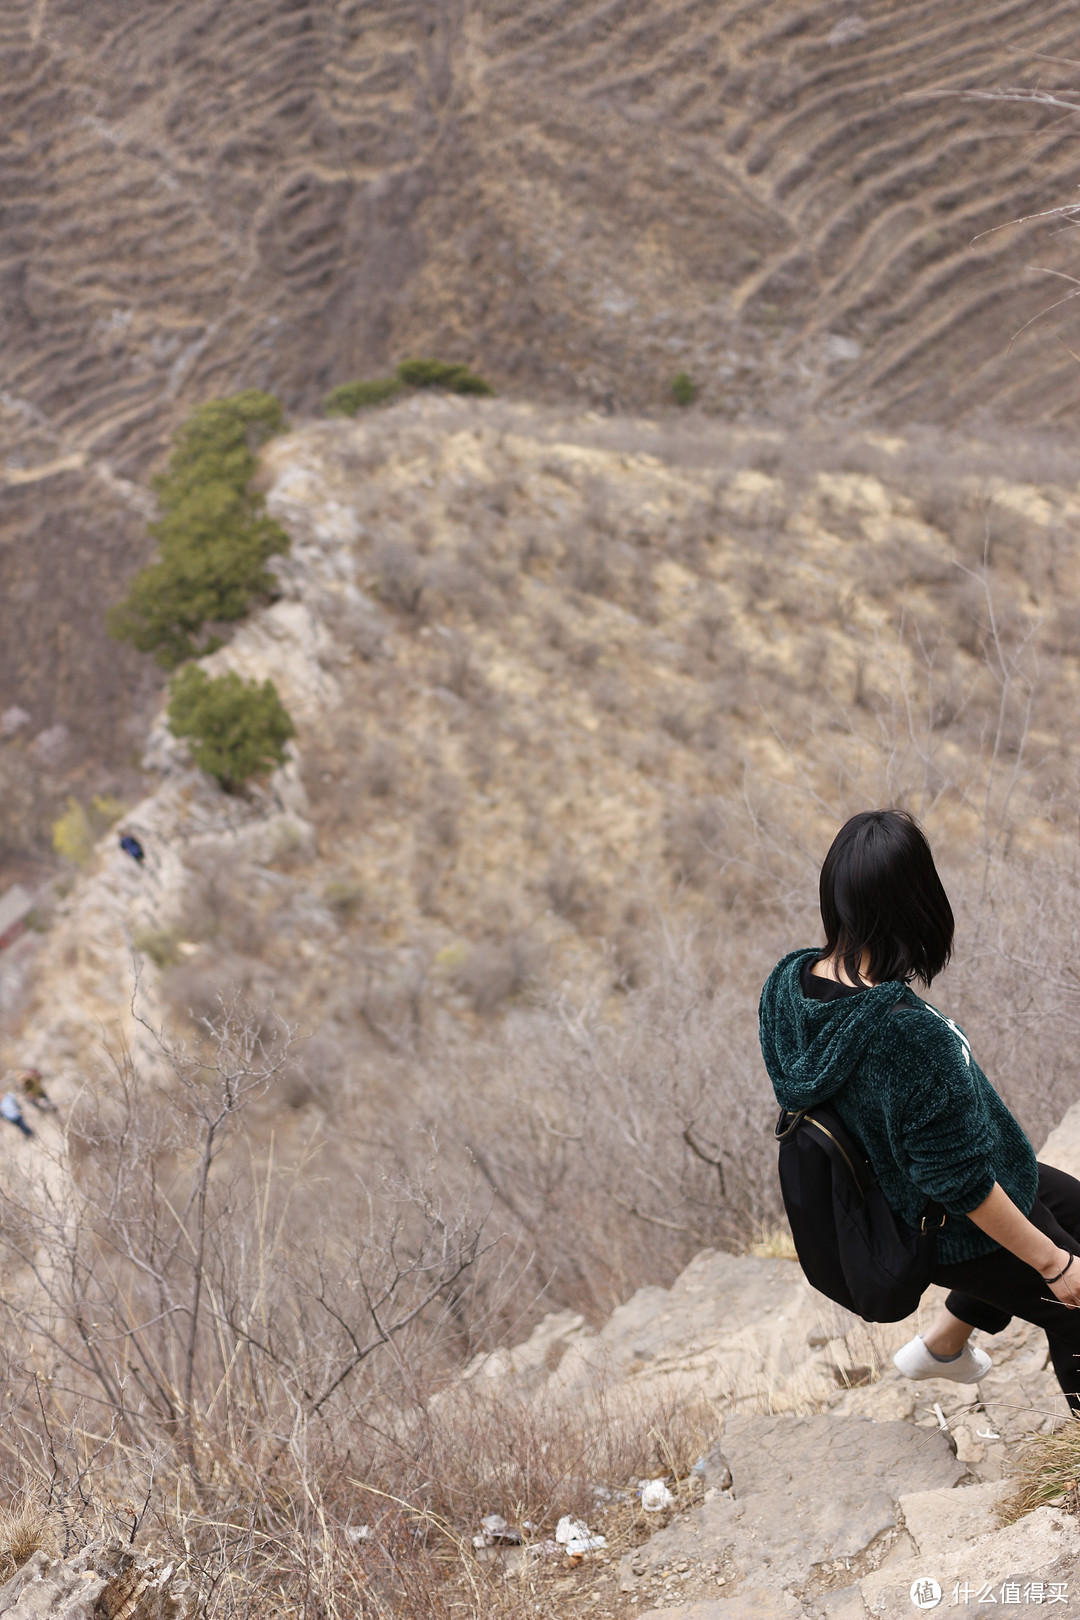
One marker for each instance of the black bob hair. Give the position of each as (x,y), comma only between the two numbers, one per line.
(880,893)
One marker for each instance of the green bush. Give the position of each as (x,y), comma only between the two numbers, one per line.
(683,389)
(442,374)
(360,396)
(72,836)
(161,945)
(213,537)
(236,728)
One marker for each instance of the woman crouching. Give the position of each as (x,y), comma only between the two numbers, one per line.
(843,1025)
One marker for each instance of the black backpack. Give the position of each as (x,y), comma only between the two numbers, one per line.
(851,1245)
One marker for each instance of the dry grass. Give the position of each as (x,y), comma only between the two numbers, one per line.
(290,1469)
(1047,1470)
(24,1528)
(774,1243)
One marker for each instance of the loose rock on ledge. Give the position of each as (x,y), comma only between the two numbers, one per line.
(104,1578)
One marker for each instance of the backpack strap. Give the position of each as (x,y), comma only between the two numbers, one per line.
(833,1138)
(846,1153)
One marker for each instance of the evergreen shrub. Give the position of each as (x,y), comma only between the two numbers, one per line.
(352,397)
(236,729)
(683,389)
(214,539)
(362,395)
(442,374)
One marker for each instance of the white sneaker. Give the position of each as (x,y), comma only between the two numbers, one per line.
(916,1361)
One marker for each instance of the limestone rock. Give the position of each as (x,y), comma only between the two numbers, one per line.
(533,1361)
(103,1579)
(1062,1146)
(844,1604)
(759,1604)
(958,1541)
(807,1492)
(933,1518)
(706,1535)
(785,1453)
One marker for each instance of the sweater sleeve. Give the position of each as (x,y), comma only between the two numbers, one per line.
(941,1134)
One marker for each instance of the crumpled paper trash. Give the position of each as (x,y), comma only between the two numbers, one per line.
(569,1529)
(495,1530)
(655,1496)
(574,1537)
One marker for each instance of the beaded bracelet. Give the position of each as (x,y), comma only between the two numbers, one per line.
(1062,1272)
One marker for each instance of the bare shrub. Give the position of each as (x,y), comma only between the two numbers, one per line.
(23,825)
(443,811)
(459,581)
(611,694)
(400,576)
(586,654)
(567,888)
(711,627)
(192,1326)
(380,770)
(589,563)
(533,1461)
(679,723)
(196,987)
(390,996)
(692,842)
(315,1072)
(344,895)
(220,899)
(159,944)
(619,1150)
(497,970)
(460,674)
(630,948)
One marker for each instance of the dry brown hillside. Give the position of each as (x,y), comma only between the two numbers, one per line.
(580,702)
(579,200)
(580,699)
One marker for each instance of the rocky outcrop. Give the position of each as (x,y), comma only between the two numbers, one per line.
(807,1495)
(104,1579)
(820,1502)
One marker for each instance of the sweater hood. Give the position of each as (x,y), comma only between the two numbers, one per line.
(811,1048)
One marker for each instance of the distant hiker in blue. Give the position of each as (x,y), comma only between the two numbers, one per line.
(840,1023)
(132,847)
(10,1110)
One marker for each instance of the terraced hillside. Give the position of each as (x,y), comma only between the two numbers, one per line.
(285,194)
(579,199)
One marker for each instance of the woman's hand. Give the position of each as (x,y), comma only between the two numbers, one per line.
(1067,1286)
(1000,1219)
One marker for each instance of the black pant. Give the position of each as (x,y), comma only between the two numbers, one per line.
(990,1291)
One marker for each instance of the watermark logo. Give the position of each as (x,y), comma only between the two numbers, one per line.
(1011,1593)
(927,1594)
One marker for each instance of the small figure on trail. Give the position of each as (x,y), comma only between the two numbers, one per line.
(34,1088)
(131,846)
(10,1110)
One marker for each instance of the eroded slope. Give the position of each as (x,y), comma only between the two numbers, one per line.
(581,201)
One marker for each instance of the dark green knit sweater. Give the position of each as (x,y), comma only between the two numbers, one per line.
(903,1080)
